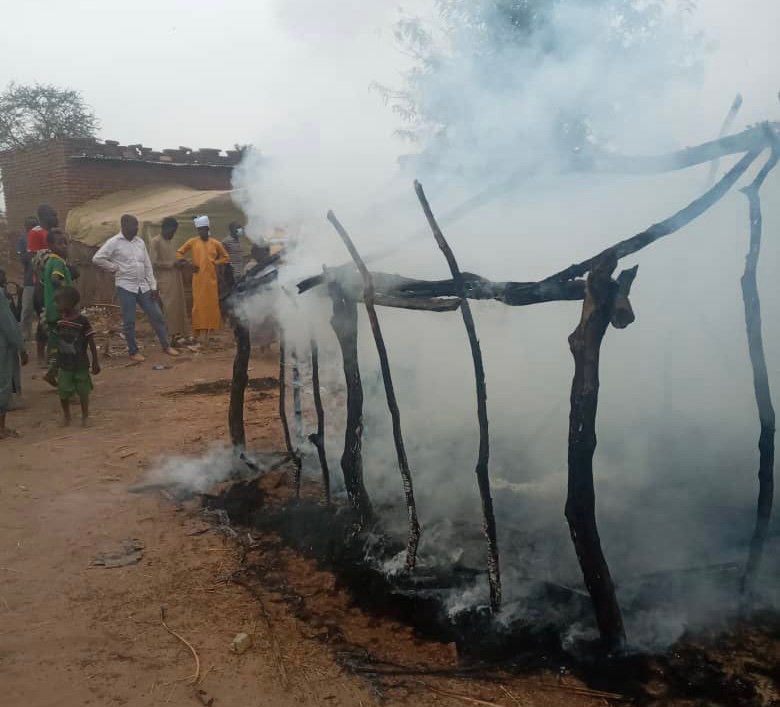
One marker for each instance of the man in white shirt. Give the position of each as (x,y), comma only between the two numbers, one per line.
(126,256)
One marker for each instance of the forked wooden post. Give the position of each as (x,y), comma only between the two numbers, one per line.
(392,404)
(344,323)
(766,411)
(598,309)
(483,479)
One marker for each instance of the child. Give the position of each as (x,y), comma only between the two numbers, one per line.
(74,334)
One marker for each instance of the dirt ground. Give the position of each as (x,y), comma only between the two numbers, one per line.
(77,634)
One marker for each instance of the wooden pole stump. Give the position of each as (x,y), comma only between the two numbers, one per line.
(481,470)
(294,455)
(598,309)
(766,411)
(345,324)
(392,403)
(318,438)
(238,385)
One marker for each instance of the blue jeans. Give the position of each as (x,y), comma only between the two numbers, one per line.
(127,303)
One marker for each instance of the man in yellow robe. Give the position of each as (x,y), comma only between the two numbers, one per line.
(206,254)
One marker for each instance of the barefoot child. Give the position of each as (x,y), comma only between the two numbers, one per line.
(75,334)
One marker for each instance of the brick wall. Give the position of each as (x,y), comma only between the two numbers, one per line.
(31,177)
(66,173)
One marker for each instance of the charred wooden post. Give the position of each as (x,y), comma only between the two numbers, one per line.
(392,403)
(296,458)
(766,411)
(598,309)
(296,386)
(318,438)
(344,323)
(238,385)
(483,479)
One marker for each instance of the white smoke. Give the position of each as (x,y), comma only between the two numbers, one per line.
(677,423)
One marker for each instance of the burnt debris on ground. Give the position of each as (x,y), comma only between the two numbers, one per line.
(734,666)
(221,387)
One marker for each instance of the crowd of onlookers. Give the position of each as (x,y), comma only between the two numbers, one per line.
(48,300)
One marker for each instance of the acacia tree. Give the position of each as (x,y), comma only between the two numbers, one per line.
(493,78)
(37,112)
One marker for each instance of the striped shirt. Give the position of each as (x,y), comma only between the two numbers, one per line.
(233,247)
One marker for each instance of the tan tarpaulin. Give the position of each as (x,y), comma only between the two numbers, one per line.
(92,223)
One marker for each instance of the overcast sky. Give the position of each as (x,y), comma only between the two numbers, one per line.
(202,73)
(208,74)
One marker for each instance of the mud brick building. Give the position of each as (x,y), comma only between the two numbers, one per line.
(68,172)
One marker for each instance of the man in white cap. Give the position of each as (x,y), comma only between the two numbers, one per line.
(126,256)
(206,254)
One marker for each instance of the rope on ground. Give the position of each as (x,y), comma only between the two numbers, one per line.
(196,676)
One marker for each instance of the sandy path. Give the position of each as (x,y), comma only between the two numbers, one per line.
(75,635)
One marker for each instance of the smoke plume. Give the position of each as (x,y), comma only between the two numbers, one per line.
(676,462)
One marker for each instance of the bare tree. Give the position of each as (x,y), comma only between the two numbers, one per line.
(37,112)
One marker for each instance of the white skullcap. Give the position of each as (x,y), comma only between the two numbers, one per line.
(201,221)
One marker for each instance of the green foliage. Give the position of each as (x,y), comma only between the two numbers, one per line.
(514,58)
(33,113)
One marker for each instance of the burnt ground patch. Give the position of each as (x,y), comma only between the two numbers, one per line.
(222,387)
(738,666)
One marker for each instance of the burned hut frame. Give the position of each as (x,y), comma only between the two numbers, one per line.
(605,302)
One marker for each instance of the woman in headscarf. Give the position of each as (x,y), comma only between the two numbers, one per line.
(207,253)
(11,349)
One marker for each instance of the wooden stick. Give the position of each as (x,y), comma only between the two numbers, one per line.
(318,438)
(483,479)
(585,344)
(663,228)
(766,411)
(392,402)
(727,123)
(458,696)
(283,413)
(344,323)
(238,385)
(196,676)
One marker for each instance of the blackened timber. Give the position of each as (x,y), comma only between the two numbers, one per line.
(296,458)
(663,228)
(753,139)
(392,403)
(407,293)
(318,438)
(345,325)
(585,345)
(766,411)
(238,385)
(483,479)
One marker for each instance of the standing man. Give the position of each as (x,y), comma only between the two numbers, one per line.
(207,254)
(233,247)
(167,271)
(28,293)
(126,256)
